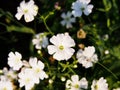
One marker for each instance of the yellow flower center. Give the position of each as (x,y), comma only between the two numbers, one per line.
(37,70)
(76,86)
(25,10)
(4,88)
(27,80)
(61,47)
(96,87)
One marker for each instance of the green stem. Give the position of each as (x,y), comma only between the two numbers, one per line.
(44,21)
(71,70)
(108,70)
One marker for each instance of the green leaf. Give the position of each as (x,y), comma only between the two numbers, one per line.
(20,29)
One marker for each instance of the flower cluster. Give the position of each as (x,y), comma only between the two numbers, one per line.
(71,59)
(26,73)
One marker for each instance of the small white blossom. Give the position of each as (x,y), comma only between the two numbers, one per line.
(100,84)
(87,56)
(9,73)
(81,6)
(76,84)
(61,47)
(67,19)
(5,84)
(27,78)
(106,52)
(37,67)
(40,40)
(117,89)
(14,60)
(28,9)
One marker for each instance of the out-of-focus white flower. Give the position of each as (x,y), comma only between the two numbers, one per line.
(5,84)
(100,84)
(117,89)
(14,60)
(87,56)
(40,40)
(63,79)
(61,47)
(76,84)
(106,52)
(28,9)
(67,19)
(105,37)
(81,6)
(27,78)
(37,67)
(9,73)
(50,81)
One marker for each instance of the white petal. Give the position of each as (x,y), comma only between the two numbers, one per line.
(59,55)
(63,15)
(41,64)
(88,9)
(77,13)
(63,22)
(28,17)
(51,49)
(19,15)
(75,78)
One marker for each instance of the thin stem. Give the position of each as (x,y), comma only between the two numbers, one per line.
(108,70)
(44,21)
(71,70)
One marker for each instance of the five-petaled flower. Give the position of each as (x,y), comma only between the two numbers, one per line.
(67,19)
(81,6)
(28,9)
(76,84)
(40,40)
(100,84)
(14,60)
(62,46)
(87,56)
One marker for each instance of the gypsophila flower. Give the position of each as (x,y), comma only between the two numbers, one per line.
(81,6)
(5,84)
(100,84)
(87,56)
(67,19)
(117,89)
(37,67)
(14,60)
(76,84)
(40,40)
(61,47)
(28,9)
(9,73)
(27,78)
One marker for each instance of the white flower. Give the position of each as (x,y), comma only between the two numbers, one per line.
(14,60)
(100,84)
(5,84)
(106,52)
(37,67)
(9,73)
(81,6)
(27,78)
(28,9)
(40,40)
(76,84)
(117,89)
(87,57)
(67,19)
(62,46)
